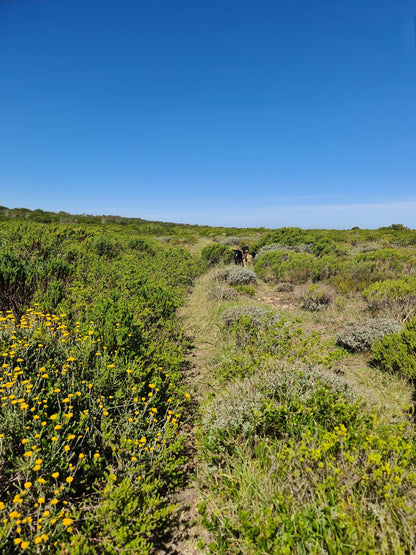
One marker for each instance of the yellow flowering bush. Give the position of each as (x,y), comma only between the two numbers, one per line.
(61,438)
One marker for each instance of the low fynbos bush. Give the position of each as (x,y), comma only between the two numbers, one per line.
(302,392)
(360,336)
(222,292)
(260,333)
(397,352)
(394,296)
(285,248)
(229,241)
(360,249)
(293,267)
(214,254)
(273,248)
(316,298)
(257,317)
(235,275)
(284,287)
(385,265)
(101,429)
(248,290)
(252,326)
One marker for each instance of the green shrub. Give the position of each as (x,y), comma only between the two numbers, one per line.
(18,281)
(359,272)
(105,246)
(287,236)
(248,290)
(316,242)
(254,327)
(141,245)
(214,254)
(394,296)
(286,266)
(277,247)
(235,275)
(390,289)
(316,298)
(397,352)
(253,315)
(84,388)
(102,432)
(230,241)
(360,336)
(260,334)
(241,406)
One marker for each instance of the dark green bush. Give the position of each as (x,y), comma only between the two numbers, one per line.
(18,280)
(248,290)
(286,266)
(360,336)
(216,253)
(397,352)
(362,270)
(141,245)
(104,246)
(316,242)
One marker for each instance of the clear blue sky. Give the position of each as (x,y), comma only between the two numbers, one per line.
(221,112)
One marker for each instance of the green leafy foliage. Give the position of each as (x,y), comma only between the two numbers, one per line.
(394,296)
(18,278)
(397,352)
(243,289)
(303,240)
(277,247)
(216,253)
(382,291)
(278,266)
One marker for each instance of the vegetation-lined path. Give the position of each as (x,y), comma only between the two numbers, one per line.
(196,320)
(212,344)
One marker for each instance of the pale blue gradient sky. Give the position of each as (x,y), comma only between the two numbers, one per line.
(223,112)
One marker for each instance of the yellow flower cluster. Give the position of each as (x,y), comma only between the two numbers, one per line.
(58,412)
